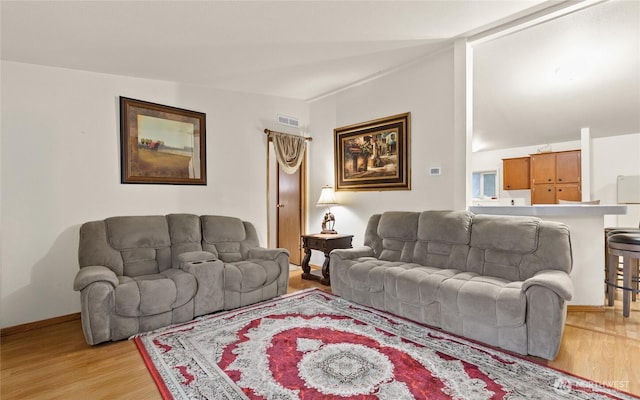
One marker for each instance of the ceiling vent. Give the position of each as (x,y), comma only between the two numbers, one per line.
(288,121)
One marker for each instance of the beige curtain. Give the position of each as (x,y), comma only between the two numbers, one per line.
(289,150)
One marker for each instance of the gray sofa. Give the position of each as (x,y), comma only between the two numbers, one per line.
(139,273)
(501,280)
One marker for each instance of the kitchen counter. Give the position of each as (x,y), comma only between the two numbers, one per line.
(586,224)
(544,210)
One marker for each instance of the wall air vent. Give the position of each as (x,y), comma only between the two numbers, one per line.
(288,121)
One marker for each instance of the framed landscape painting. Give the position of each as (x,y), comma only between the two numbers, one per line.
(162,144)
(374,155)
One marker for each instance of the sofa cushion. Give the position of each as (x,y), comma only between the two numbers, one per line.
(139,261)
(367,273)
(223,236)
(508,233)
(184,228)
(186,235)
(154,294)
(131,232)
(491,301)
(143,242)
(416,284)
(440,254)
(218,228)
(249,275)
(397,250)
(398,233)
(398,225)
(445,226)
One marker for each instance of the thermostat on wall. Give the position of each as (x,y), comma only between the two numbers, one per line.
(435,171)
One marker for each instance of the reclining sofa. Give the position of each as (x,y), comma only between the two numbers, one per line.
(139,273)
(501,280)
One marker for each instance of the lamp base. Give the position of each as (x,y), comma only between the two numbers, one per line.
(328,223)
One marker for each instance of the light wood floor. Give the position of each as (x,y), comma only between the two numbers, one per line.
(56,363)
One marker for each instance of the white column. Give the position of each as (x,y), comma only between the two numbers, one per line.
(585,145)
(463,122)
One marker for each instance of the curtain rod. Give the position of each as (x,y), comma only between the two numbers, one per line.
(268,131)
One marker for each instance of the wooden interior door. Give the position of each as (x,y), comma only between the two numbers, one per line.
(290,212)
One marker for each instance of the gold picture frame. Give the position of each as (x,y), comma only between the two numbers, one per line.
(162,144)
(374,155)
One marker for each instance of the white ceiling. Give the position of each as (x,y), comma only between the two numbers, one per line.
(542,84)
(303,49)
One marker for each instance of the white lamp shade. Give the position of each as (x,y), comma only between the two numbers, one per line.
(327,197)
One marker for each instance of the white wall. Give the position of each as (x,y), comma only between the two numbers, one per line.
(60,167)
(59,154)
(425,90)
(610,156)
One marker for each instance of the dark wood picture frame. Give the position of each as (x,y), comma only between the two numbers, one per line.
(162,144)
(374,155)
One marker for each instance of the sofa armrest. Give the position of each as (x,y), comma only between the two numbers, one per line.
(281,257)
(209,274)
(262,253)
(557,281)
(356,252)
(94,273)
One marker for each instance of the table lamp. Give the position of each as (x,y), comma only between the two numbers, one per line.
(327,199)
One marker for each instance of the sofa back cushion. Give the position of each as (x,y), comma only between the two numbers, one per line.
(397,231)
(431,238)
(186,235)
(228,238)
(508,247)
(515,248)
(443,239)
(130,246)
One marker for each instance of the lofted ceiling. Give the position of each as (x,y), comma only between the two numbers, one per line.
(306,49)
(543,84)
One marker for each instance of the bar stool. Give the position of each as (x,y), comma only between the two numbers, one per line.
(608,232)
(627,246)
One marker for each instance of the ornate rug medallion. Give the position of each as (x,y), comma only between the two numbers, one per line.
(345,369)
(313,345)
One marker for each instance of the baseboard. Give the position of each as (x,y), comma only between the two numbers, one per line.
(38,324)
(576,308)
(72,317)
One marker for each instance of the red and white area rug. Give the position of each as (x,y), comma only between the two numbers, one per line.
(314,345)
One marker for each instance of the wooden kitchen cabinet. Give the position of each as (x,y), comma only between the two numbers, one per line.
(515,173)
(568,167)
(568,191)
(543,193)
(543,168)
(556,176)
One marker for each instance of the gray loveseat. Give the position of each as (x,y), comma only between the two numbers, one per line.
(139,273)
(501,280)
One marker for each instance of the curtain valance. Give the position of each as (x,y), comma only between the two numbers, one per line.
(289,149)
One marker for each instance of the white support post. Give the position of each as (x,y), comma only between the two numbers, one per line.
(585,145)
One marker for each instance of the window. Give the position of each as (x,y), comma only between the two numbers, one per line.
(484,184)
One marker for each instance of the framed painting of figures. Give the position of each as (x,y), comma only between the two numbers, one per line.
(374,155)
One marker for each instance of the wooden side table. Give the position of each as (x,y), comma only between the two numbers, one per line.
(324,243)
